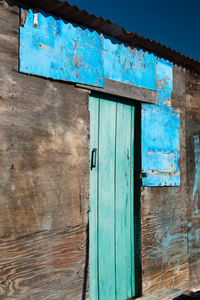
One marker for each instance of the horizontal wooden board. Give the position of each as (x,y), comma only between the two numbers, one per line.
(164,239)
(43,265)
(124,90)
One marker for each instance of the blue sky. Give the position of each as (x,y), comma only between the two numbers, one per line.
(174,23)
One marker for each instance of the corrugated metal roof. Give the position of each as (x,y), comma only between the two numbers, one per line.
(64,10)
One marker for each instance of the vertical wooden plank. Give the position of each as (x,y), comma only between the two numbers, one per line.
(132,166)
(93,213)
(107,200)
(123,202)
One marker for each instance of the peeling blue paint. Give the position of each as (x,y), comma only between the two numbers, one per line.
(193,225)
(193,238)
(167,239)
(160,146)
(160,133)
(129,65)
(61,50)
(164,76)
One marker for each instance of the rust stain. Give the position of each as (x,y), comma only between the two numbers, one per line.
(132,50)
(160,84)
(150,172)
(76,43)
(43,46)
(23,17)
(78,76)
(76,62)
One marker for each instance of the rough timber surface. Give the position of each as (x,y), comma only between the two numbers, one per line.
(193,171)
(124,90)
(162,294)
(44,170)
(163,219)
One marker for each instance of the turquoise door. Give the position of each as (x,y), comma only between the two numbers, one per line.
(111,217)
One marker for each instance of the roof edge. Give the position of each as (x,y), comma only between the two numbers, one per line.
(71,13)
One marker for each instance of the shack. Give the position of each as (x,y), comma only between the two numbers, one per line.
(99,159)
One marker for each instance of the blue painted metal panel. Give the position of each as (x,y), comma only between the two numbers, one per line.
(160,145)
(64,51)
(61,50)
(164,75)
(160,134)
(129,65)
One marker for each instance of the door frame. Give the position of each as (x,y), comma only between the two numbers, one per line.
(136,191)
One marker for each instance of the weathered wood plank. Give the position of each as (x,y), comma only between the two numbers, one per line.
(163,217)
(123,202)
(124,90)
(193,178)
(163,293)
(107,123)
(164,239)
(93,214)
(133,157)
(43,265)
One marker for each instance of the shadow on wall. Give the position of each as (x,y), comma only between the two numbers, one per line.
(189,296)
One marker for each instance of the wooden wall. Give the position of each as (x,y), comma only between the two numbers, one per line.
(193,172)
(170,216)
(163,218)
(44,178)
(44,186)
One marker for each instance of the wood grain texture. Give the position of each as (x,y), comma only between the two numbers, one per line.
(107,117)
(124,203)
(43,265)
(163,217)
(164,239)
(124,90)
(93,214)
(193,179)
(44,178)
